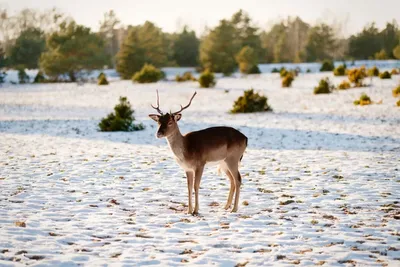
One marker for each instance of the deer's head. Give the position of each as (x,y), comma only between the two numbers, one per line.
(167,123)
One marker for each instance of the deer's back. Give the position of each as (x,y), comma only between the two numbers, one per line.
(215,143)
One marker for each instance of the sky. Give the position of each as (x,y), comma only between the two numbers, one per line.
(171,15)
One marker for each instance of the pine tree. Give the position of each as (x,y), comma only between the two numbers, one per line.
(389,38)
(121,119)
(185,48)
(28,47)
(71,49)
(144,44)
(246,33)
(321,43)
(366,43)
(219,47)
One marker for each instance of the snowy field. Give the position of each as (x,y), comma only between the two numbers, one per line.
(321,178)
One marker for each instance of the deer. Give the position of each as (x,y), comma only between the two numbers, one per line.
(192,151)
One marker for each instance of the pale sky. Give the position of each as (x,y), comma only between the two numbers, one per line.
(170,15)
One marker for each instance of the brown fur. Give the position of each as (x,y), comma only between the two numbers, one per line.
(192,151)
(199,142)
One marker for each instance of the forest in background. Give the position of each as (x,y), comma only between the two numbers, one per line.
(54,43)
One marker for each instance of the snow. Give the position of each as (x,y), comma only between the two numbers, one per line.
(96,198)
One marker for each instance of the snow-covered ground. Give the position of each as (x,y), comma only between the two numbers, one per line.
(321,178)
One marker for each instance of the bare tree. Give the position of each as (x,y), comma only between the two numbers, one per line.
(109,32)
(11,25)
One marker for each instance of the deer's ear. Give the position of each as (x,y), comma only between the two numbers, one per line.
(177,117)
(155,117)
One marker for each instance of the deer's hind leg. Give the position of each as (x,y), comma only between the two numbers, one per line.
(233,166)
(224,167)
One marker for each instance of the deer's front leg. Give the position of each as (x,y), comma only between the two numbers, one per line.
(197,178)
(190,177)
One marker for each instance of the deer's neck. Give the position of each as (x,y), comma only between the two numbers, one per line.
(176,143)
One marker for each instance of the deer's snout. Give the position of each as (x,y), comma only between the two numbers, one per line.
(160,133)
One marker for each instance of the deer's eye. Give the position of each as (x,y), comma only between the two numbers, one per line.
(170,123)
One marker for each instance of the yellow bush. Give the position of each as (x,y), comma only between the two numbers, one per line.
(207,79)
(395,72)
(102,79)
(374,71)
(357,76)
(247,60)
(287,80)
(344,85)
(148,74)
(363,101)
(283,72)
(385,75)
(396,91)
(324,87)
(327,65)
(187,76)
(340,70)
(251,102)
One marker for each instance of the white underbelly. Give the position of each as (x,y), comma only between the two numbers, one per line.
(187,167)
(213,163)
(183,165)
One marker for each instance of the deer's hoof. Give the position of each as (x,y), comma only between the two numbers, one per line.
(227,207)
(189,209)
(234,209)
(195,213)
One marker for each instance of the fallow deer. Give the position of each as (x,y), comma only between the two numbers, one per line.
(192,151)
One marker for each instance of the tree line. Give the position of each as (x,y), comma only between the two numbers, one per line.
(60,47)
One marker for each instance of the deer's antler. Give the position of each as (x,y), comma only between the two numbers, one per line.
(185,107)
(158,105)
